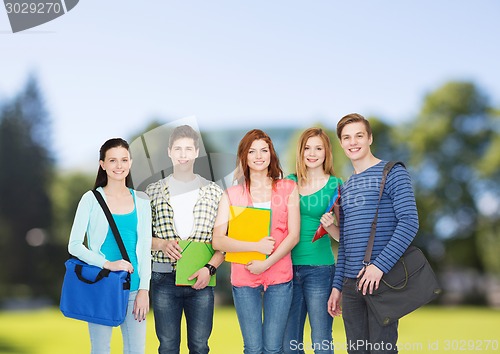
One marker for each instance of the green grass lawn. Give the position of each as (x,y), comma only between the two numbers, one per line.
(428,330)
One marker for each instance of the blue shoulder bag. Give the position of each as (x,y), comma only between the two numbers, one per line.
(94,294)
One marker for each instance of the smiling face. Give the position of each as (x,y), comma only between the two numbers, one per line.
(117,163)
(314,152)
(356,141)
(259,156)
(183,154)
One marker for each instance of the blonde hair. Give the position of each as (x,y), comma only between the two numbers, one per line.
(300,165)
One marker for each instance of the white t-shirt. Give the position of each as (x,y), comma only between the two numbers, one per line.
(183,197)
(263,205)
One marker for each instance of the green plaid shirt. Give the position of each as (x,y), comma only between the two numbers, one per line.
(205,211)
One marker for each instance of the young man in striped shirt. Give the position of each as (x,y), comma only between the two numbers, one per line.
(396,228)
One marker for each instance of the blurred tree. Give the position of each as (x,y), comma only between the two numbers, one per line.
(25,176)
(386,145)
(449,143)
(4,238)
(153,124)
(489,165)
(488,196)
(67,189)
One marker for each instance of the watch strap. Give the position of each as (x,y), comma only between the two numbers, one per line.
(212,270)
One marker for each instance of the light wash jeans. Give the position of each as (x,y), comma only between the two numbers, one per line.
(263,335)
(312,286)
(133,333)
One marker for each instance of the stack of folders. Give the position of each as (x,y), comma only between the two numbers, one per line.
(248,224)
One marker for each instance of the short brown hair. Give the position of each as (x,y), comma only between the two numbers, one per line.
(353,118)
(242,173)
(300,166)
(184,131)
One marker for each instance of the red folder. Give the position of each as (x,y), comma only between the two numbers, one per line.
(320,232)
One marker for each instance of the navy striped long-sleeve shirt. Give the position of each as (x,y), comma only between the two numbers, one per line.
(397,220)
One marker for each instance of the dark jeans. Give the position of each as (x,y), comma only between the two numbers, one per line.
(364,334)
(169,301)
(312,286)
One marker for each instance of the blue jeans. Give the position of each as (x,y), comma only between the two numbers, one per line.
(312,286)
(133,333)
(169,301)
(364,334)
(263,335)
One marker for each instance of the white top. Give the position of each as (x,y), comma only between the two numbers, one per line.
(264,205)
(183,197)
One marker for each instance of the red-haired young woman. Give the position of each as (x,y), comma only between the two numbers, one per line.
(262,289)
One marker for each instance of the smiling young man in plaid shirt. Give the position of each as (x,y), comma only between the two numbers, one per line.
(184,206)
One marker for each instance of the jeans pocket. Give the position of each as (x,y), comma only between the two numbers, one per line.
(158,277)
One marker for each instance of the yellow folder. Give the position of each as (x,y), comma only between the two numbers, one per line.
(194,256)
(248,224)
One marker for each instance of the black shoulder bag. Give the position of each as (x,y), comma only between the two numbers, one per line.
(410,284)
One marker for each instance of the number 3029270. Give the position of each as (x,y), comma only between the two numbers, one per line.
(471,345)
(33,8)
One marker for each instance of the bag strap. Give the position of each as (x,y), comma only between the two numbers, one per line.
(112,224)
(369,248)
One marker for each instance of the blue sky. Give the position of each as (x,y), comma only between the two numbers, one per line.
(109,67)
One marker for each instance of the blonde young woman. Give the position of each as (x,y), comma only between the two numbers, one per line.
(313,263)
(262,290)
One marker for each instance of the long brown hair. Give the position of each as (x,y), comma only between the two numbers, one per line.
(102,178)
(327,164)
(242,173)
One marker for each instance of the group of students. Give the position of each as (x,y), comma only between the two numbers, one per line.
(298,278)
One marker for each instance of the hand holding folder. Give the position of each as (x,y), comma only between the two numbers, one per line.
(251,225)
(194,257)
(320,232)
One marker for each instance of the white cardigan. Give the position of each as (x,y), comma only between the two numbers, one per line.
(90,219)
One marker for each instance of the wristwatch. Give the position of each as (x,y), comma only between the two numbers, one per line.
(212,270)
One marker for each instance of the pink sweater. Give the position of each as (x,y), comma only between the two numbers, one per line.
(281,271)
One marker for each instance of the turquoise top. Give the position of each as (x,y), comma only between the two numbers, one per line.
(127,226)
(312,207)
(91,221)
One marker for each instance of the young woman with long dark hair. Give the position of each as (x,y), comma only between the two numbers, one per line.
(131,211)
